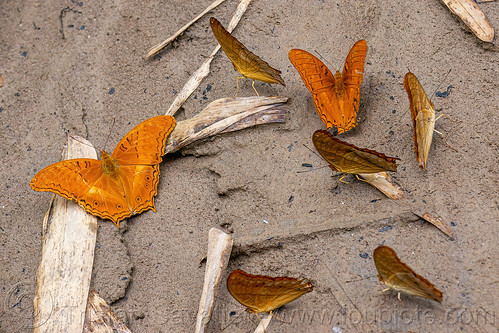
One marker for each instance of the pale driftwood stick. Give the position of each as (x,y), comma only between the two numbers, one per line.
(158,47)
(469,12)
(225,115)
(63,276)
(264,323)
(195,80)
(219,248)
(383,182)
(100,318)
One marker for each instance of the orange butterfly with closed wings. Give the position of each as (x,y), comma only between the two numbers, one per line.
(423,117)
(336,97)
(244,61)
(119,186)
(260,293)
(400,277)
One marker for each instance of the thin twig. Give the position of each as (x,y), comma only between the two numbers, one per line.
(158,47)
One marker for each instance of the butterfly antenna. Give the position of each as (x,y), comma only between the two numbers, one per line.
(324,59)
(441,82)
(109,134)
(313,169)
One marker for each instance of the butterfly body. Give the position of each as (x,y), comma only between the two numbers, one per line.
(336,97)
(423,118)
(400,277)
(347,158)
(120,185)
(260,293)
(243,60)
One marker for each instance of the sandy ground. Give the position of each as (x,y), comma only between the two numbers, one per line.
(317,227)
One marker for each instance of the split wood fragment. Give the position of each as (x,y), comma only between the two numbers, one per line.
(68,243)
(264,323)
(227,115)
(469,12)
(100,318)
(195,80)
(158,47)
(383,182)
(437,222)
(219,249)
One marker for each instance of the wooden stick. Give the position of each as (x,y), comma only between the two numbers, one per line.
(264,323)
(219,248)
(195,80)
(469,12)
(63,276)
(383,182)
(226,115)
(100,318)
(158,47)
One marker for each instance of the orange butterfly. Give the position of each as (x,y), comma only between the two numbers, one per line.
(243,60)
(336,97)
(347,158)
(400,277)
(260,293)
(119,186)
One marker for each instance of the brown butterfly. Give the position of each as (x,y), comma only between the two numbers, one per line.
(119,186)
(346,158)
(336,97)
(400,277)
(260,293)
(243,60)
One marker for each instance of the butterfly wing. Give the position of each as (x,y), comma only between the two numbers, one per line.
(400,277)
(347,158)
(353,73)
(121,185)
(321,83)
(84,181)
(261,293)
(244,61)
(423,117)
(138,155)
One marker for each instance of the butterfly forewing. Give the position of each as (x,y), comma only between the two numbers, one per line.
(244,61)
(353,73)
(400,277)
(423,117)
(145,143)
(347,158)
(120,185)
(261,293)
(337,102)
